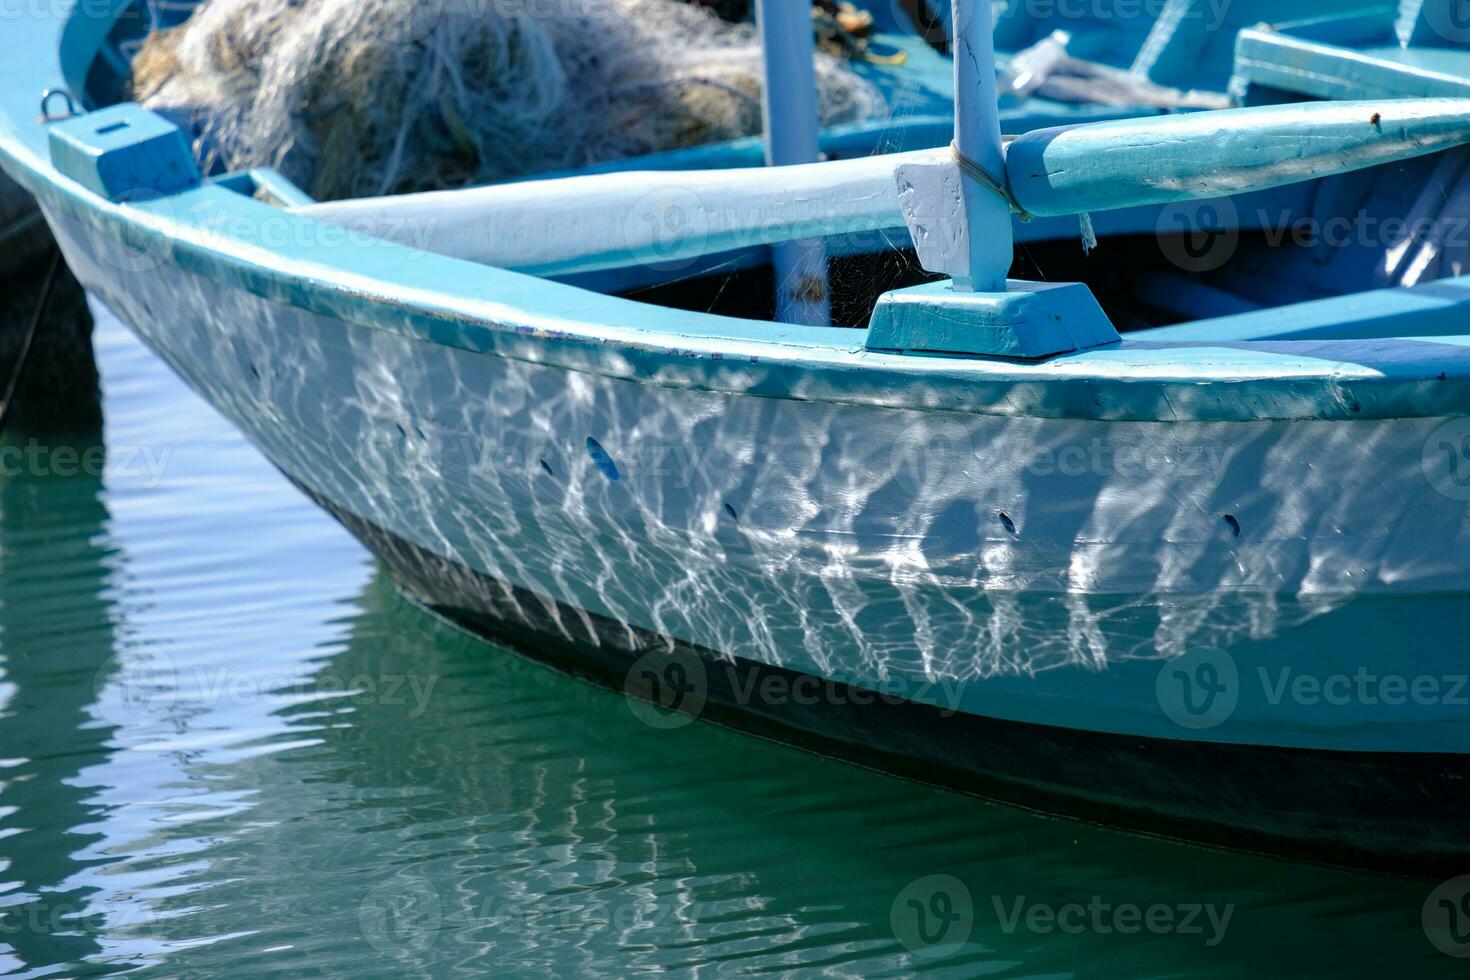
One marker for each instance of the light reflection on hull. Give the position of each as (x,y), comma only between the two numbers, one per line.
(1401,812)
(1040,571)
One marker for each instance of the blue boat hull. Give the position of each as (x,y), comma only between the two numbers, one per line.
(513,498)
(1400,812)
(871,545)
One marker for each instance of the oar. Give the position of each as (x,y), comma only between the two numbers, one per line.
(604,221)
(579,224)
(792,127)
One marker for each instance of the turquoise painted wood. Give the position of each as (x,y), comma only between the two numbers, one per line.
(607,221)
(1434,23)
(1030,320)
(124,152)
(1349,57)
(1211,154)
(84,39)
(1193,43)
(981,252)
(792,135)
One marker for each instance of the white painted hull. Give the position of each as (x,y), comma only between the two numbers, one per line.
(1035,570)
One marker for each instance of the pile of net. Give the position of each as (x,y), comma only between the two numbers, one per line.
(356,98)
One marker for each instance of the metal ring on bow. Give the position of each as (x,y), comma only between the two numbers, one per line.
(47,96)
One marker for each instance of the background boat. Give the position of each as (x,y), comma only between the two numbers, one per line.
(23,232)
(43,315)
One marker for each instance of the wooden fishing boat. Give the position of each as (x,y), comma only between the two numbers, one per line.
(1171,579)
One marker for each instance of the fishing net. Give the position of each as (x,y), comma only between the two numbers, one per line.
(354,98)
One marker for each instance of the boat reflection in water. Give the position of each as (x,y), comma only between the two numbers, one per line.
(59,572)
(443,808)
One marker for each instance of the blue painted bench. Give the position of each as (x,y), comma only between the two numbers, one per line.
(1416,50)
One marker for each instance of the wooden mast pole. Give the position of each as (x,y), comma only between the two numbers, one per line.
(789,112)
(984,236)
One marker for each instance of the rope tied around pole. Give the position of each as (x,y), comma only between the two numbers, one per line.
(982,177)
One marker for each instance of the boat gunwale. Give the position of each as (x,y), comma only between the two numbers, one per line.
(1135,381)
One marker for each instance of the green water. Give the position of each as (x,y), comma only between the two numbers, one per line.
(229,747)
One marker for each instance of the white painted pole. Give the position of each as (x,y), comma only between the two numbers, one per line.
(986,241)
(789,112)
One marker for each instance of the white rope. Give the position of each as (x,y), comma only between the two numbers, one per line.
(1089,233)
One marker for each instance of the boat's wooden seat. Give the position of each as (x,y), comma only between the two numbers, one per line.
(1358,54)
(1436,309)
